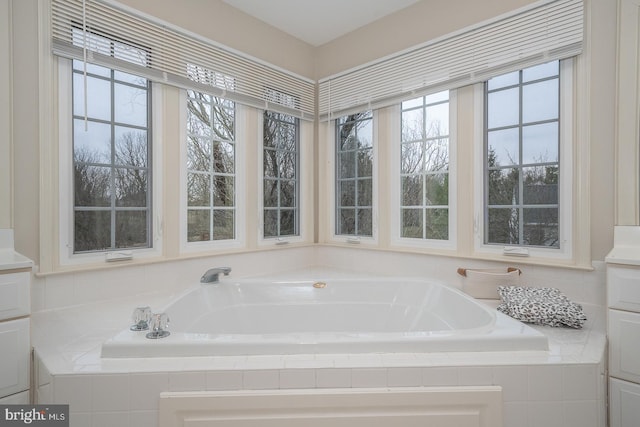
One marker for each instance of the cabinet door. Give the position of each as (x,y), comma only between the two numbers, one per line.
(624,351)
(624,403)
(14,294)
(14,354)
(623,287)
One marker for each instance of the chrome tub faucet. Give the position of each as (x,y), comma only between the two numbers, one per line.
(212,275)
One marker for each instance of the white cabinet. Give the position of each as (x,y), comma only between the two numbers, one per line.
(15,330)
(14,354)
(623,299)
(624,403)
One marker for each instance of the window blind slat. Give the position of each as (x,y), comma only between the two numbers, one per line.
(172,53)
(546,31)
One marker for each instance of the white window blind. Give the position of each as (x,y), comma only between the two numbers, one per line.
(539,33)
(175,56)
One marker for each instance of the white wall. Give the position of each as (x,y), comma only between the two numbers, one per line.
(5,116)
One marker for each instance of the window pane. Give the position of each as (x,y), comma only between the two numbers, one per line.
(131,146)
(504,147)
(503,187)
(365,163)
(437,97)
(288,194)
(270,197)
(503,226)
(92,145)
(98,98)
(198,189)
(365,134)
(270,166)
(347,194)
(223,121)
(540,143)
(412,157)
(437,189)
(412,223)
(365,222)
(541,227)
(540,101)
(542,71)
(288,222)
(437,123)
(223,224)
(504,80)
(131,229)
(92,185)
(198,225)
(224,157)
(503,108)
(287,164)
(437,224)
(223,191)
(92,231)
(540,185)
(365,192)
(130,105)
(199,154)
(131,187)
(347,221)
(412,190)
(199,118)
(270,223)
(437,155)
(413,125)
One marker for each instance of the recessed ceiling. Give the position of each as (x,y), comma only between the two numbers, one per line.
(319,21)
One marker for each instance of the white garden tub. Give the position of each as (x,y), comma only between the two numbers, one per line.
(380,315)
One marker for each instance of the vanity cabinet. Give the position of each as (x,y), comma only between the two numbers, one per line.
(623,300)
(15,323)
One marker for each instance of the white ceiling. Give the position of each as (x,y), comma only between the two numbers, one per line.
(319,21)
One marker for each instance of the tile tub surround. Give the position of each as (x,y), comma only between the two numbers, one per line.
(562,387)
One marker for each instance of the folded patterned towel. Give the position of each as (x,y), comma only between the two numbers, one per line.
(541,306)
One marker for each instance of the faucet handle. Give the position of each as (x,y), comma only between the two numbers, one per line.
(141,317)
(159,326)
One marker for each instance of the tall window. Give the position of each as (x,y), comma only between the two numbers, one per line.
(354,174)
(280,155)
(211,168)
(111,157)
(424,172)
(522,128)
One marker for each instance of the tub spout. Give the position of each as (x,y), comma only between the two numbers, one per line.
(212,275)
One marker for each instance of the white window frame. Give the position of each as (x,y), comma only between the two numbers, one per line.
(240,187)
(65,183)
(305,182)
(566,153)
(331,168)
(396,221)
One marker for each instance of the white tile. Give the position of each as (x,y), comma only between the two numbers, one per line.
(475,375)
(333,378)
(515,414)
(262,379)
(513,380)
(110,419)
(545,382)
(187,381)
(369,377)
(580,382)
(58,291)
(146,389)
(581,414)
(143,418)
(74,390)
(44,377)
(111,393)
(439,376)
(404,377)
(297,378)
(545,414)
(224,380)
(79,419)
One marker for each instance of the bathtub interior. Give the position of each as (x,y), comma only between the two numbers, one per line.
(363,315)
